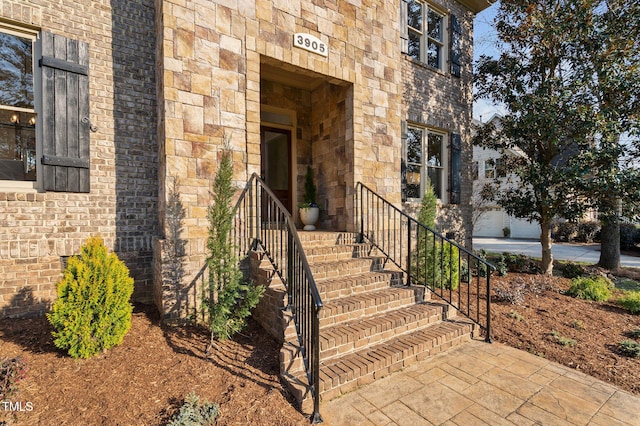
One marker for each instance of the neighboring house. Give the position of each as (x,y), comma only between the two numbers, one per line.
(490,220)
(103,102)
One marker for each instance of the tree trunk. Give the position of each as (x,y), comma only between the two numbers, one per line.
(545,242)
(610,234)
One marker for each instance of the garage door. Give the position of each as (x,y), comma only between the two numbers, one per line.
(522,228)
(490,224)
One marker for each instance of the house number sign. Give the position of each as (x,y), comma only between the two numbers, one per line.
(310,43)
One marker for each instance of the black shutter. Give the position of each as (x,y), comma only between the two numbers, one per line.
(65,114)
(456,46)
(454,170)
(404,29)
(403,162)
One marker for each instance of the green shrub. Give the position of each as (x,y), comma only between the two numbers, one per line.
(590,288)
(501,266)
(443,267)
(521,263)
(12,371)
(573,270)
(631,301)
(588,231)
(564,341)
(92,312)
(565,231)
(194,413)
(629,236)
(630,348)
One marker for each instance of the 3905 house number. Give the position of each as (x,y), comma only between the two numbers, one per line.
(310,43)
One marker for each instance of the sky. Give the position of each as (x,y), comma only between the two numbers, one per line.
(484,43)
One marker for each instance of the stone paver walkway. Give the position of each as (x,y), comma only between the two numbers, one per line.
(485,384)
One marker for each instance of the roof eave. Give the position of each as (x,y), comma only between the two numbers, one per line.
(476,6)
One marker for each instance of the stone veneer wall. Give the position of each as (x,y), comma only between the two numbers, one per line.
(37,229)
(441,101)
(210,90)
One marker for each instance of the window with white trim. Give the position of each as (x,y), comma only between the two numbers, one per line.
(17,106)
(426,34)
(425,162)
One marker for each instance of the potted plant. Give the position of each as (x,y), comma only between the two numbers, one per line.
(308,210)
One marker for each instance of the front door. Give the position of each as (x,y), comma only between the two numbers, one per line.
(276,162)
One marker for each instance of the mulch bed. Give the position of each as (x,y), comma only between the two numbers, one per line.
(144,380)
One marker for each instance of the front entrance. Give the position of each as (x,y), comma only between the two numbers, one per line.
(275,164)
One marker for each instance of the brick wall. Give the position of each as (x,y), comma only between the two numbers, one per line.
(440,101)
(37,229)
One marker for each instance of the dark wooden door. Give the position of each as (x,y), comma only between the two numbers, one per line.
(275,162)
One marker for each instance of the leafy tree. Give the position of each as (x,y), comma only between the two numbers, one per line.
(228,300)
(547,114)
(607,62)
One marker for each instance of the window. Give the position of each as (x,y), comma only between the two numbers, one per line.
(44,111)
(426,44)
(425,162)
(490,168)
(494,168)
(17,106)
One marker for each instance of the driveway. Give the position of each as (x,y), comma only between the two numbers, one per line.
(589,253)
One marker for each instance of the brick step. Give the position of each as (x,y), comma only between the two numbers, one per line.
(344,268)
(327,238)
(346,373)
(335,252)
(369,303)
(333,288)
(347,337)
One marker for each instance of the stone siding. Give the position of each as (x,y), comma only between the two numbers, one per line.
(211,88)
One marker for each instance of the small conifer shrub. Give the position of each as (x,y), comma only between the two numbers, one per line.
(436,262)
(92,312)
(195,413)
(629,348)
(590,288)
(228,299)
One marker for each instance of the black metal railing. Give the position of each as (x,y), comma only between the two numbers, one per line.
(261,221)
(426,257)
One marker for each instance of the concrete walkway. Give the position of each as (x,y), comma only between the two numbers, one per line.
(589,253)
(485,384)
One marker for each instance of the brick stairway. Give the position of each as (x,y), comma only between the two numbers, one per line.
(371,325)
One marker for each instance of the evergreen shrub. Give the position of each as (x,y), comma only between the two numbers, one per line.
(629,236)
(631,301)
(590,288)
(228,298)
(195,413)
(92,312)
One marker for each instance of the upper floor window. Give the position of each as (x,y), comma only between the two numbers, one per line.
(425,162)
(426,42)
(494,168)
(17,106)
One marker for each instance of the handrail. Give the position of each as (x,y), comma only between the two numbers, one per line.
(426,257)
(262,221)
